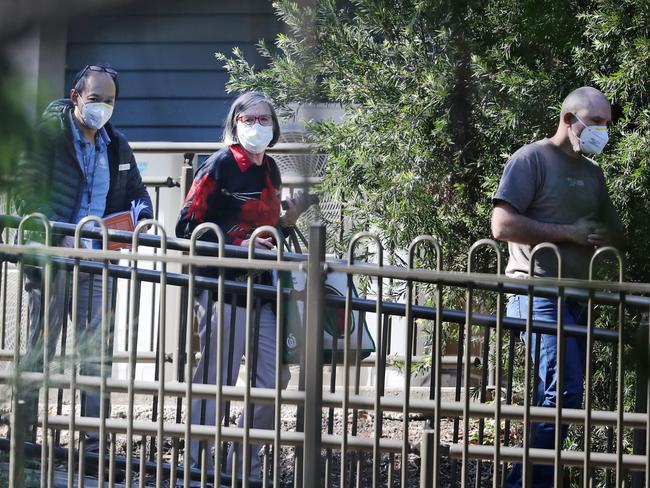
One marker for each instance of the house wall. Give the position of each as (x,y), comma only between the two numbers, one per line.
(171,86)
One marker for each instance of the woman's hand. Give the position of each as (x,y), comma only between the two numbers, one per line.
(260,243)
(295,206)
(291,213)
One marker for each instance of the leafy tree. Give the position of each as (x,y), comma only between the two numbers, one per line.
(438,94)
(615,57)
(14,126)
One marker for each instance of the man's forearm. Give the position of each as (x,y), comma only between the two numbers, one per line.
(523,230)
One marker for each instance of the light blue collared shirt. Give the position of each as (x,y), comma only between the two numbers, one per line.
(93,161)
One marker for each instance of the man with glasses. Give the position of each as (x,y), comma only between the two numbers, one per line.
(79,165)
(551,191)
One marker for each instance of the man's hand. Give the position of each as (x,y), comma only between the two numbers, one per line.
(68,241)
(589,232)
(260,243)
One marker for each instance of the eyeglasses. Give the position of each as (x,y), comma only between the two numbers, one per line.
(93,67)
(101,69)
(249,120)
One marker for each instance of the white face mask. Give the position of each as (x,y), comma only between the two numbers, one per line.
(592,140)
(256,138)
(96,114)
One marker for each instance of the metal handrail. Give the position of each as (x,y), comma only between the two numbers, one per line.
(210,147)
(546,287)
(361,304)
(295,181)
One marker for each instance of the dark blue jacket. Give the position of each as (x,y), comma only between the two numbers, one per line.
(50,177)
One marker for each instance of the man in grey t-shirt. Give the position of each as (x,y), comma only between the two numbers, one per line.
(551,192)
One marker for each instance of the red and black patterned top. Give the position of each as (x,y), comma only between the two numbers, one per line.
(233,192)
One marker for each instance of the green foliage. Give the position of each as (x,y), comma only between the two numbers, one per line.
(14,125)
(438,94)
(616,58)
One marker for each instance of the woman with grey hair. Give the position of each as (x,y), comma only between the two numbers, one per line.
(238,188)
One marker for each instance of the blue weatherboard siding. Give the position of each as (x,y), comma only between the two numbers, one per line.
(171,86)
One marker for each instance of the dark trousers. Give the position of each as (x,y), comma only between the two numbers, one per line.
(89,312)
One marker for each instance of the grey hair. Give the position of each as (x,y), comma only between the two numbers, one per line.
(244,102)
(581,98)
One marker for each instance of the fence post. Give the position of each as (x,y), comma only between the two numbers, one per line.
(187,175)
(313,351)
(641,403)
(427,464)
(18,424)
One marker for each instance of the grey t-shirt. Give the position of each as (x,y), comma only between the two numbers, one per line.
(542,183)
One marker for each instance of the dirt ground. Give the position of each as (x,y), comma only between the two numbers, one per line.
(360,462)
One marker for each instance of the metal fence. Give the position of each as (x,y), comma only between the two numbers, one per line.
(403,416)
